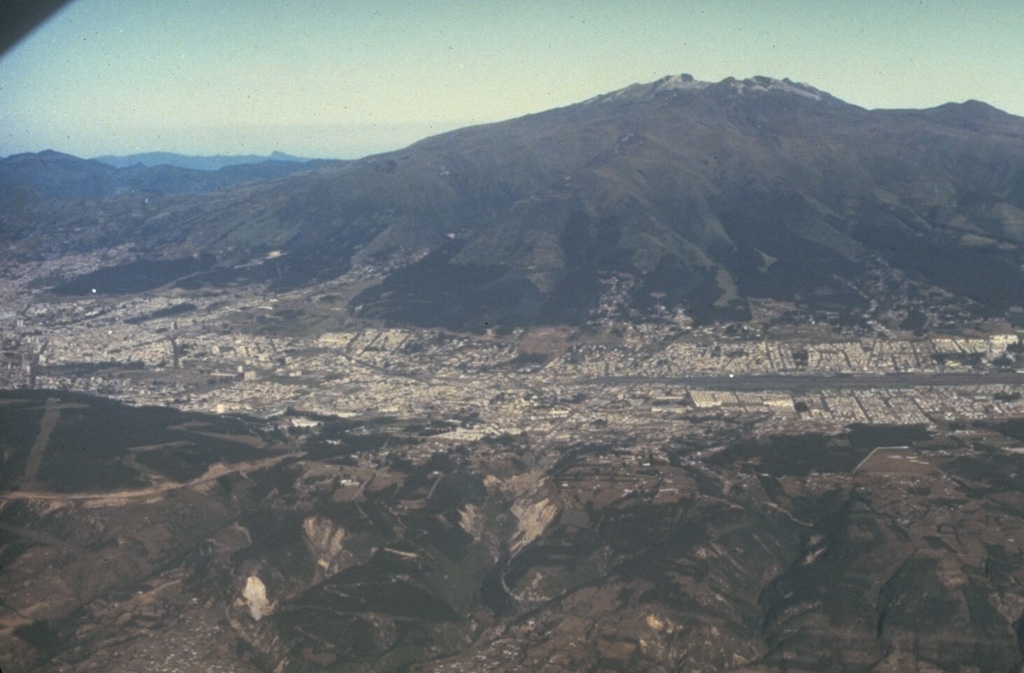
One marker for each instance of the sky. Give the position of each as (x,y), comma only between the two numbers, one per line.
(347,78)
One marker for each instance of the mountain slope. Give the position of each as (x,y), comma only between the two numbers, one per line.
(375,544)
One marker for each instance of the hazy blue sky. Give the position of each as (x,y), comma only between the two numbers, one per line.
(337,78)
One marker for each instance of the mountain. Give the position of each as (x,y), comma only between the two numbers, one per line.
(196,163)
(66,177)
(700,195)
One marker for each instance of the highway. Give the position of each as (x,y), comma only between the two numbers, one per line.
(760,382)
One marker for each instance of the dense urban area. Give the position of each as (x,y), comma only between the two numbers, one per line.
(242,352)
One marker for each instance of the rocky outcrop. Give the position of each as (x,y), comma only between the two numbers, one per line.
(532,518)
(324,539)
(255,597)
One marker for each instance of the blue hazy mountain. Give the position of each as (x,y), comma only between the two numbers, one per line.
(194,162)
(57,175)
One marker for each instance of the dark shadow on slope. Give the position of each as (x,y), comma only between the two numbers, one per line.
(138,276)
(434,292)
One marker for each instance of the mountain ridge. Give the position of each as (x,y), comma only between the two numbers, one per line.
(195,162)
(65,176)
(686,82)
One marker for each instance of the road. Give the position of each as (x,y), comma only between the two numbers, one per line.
(212,473)
(35,455)
(758,382)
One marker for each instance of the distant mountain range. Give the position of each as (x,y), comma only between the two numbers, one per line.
(54,174)
(700,195)
(197,163)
